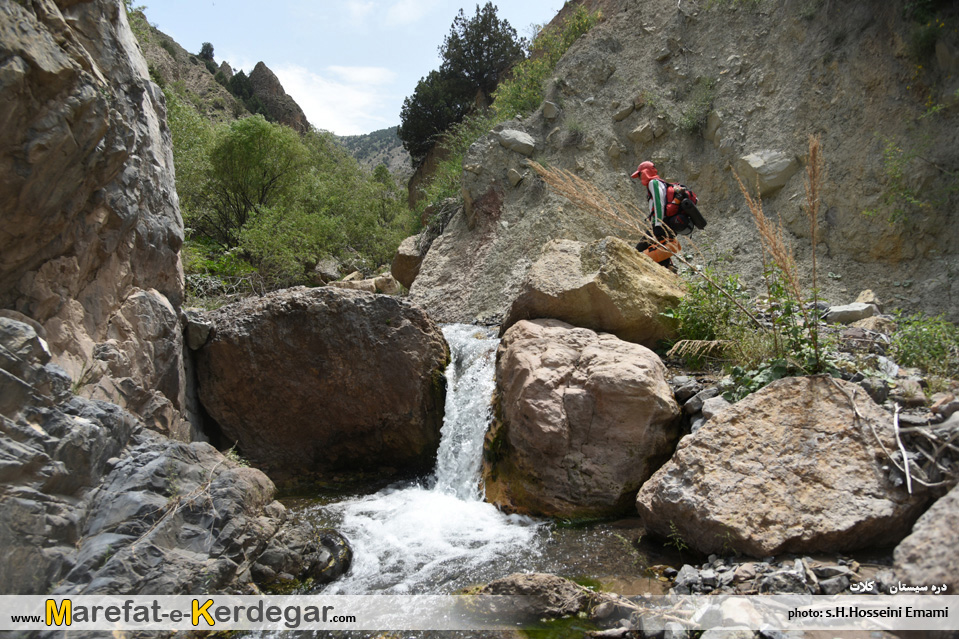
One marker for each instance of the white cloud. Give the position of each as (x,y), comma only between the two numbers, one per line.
(360,10)
(371,76)
(403,12)
(345,108)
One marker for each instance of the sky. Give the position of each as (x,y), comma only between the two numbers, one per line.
(348,63)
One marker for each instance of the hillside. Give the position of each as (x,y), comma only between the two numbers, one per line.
(212,87)
(380,147)
(707,88)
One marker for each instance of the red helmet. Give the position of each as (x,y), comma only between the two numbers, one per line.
(646,171)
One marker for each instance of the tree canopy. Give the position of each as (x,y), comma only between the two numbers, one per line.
(481,48)
(475,54)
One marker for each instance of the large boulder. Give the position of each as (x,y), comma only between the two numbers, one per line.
(91,502)
(798,466)
(326,379)
(584,420)
(930,554)
(407,261)
(606,285)
(768,169)
(91,233)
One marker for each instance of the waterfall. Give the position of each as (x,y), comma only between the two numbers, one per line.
(435,537)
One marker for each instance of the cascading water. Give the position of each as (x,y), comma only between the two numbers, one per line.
(437,537)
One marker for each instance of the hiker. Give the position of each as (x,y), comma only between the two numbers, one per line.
(670,212)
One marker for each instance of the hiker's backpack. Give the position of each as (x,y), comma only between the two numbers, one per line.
(682,216)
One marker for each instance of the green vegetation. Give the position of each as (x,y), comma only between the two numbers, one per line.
(263,205)
(928,343)
(476,52)
(521,94)
(699,104)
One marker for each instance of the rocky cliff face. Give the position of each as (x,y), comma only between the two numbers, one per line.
(703,91)
(281,107)
(91,232)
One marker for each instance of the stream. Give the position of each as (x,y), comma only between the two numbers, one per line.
(437,535)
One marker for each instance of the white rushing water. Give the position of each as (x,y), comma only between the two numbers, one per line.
(439,535)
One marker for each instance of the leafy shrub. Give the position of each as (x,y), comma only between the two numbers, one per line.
(705,313)
(928,343)
(700,102)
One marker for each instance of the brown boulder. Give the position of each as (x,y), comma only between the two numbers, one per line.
(584,420)
(326,380)
(606,285)
(407,261)
(790,468)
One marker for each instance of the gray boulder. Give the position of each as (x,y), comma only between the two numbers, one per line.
(770,169)
(407,261)
(930,554)
(790,468)
(91,502)
(519,141)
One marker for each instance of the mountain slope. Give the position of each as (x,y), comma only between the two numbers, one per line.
(380,147)
(703,91)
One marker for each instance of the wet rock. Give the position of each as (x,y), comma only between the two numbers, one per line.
(816,483)
(275,363)
(542,596)
(605,286)
(585,419)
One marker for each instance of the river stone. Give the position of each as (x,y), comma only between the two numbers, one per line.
(326,380)
(540,596)
(787,469)
(606,285)
(585,419)
(930,554)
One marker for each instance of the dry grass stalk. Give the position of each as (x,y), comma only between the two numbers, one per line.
(815,175)
(627,217)
(690,349)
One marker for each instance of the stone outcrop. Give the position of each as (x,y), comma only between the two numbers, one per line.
(91,502)
(790,468)
(279,105)
(326,379)
(583,420)
(767,170)
(407,261)
(89,246)
(930,554)
(606,285)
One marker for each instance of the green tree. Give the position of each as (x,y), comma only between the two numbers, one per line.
(476,53)
(481,49)
(439,101)
(206,51)
(254,165)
